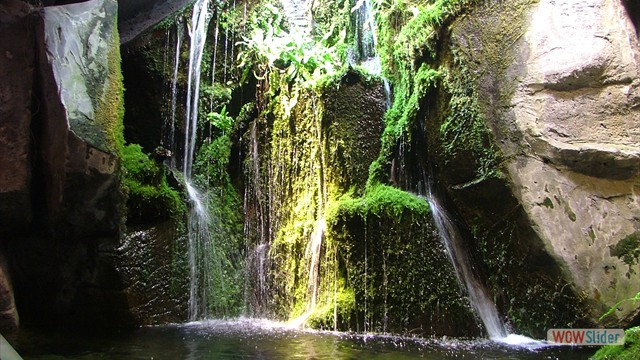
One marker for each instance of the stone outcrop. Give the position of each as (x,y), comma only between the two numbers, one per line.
(577,107)
(63,119)
(82,117)
(560,97)
(62,205)
(136,16)
(17,63)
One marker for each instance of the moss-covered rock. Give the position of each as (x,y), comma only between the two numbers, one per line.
(306,149)
(629,351)
(353,107)
(150,198)
(395,264)
(524,161)
(453,80)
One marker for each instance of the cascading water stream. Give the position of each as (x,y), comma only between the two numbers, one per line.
(453,241)
(198,35)
(200,246)
(478,295)
(367,40)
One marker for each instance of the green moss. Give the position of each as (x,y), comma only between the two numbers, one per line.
(150,198)
(540,302)
(548,203)
(537,297)
(396,266)
(335,311)
(569,212)
(333,81)
(406,107)
(110,107)
(628,351)
(226,261)
(464,135)
(381,200)
(628,250)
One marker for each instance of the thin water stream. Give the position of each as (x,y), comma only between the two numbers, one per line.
(453,241)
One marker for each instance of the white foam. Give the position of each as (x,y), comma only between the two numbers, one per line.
(516,340)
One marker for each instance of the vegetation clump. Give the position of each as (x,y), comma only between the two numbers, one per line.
(381,200)
(408,49)
(150,198)
(302,59)
(392,259)
(628,351)
(628,249)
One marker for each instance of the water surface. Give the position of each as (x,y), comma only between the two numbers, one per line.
(261,339)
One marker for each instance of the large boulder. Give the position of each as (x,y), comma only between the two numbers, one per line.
(576,107)
(76,134)
(82,126)
(556,84)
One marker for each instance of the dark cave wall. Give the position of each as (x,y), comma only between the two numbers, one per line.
(68,258)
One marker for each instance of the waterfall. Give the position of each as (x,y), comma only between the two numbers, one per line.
(200,244)
(298,13)
(366,41)
(313,253)
(200,248)
(258,261)
(478,296)
(367,57)
(198,34)
(366,37)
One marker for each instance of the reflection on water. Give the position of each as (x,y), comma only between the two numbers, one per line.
(261,339)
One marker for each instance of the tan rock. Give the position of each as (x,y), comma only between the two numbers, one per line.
(577,107)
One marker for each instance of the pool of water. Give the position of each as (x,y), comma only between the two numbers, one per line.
(261,339)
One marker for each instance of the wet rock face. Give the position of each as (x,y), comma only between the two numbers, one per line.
(562,105)
(352,118)
(136,16)
(152,262)
(61,137)
(402,278)
(17,58)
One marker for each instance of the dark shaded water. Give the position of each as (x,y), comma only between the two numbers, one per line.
(255,339)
